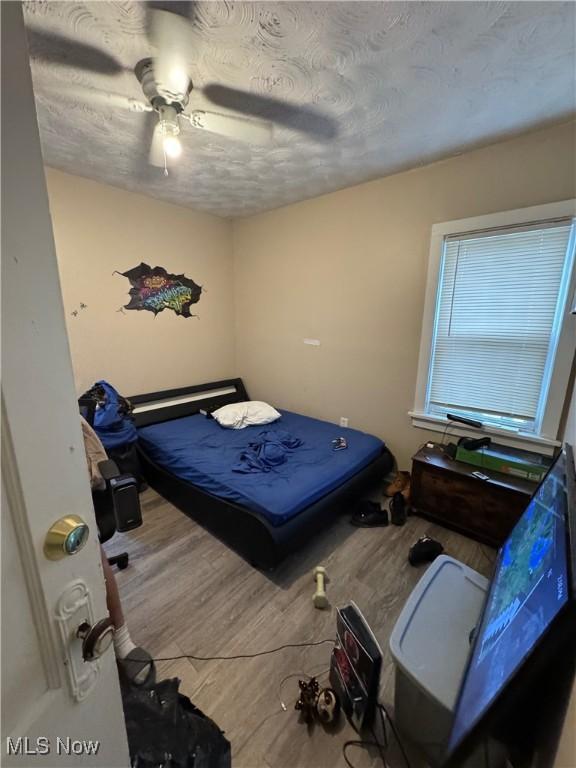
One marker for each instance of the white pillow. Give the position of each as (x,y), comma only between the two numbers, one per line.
(247,414)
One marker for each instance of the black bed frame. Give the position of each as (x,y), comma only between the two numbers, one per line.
(250,534)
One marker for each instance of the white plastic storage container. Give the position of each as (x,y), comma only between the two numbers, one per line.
(430,645)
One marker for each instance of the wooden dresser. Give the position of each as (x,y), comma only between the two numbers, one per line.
(447,492)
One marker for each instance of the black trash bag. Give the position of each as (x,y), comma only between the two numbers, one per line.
(165,730)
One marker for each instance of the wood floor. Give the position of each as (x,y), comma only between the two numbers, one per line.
(186,592)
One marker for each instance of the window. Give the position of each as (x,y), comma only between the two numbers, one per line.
(498,339)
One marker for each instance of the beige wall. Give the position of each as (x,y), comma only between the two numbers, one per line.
(349,269)
(99,229)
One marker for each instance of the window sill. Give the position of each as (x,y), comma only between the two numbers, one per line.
(523,441)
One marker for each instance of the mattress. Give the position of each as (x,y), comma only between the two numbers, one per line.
(198,450)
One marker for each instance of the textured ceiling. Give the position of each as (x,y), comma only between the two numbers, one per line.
(406,82)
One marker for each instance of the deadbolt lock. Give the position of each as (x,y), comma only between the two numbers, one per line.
(66,537)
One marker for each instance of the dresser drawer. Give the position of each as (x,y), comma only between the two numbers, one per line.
(448,496)
(501,511)
(482,509)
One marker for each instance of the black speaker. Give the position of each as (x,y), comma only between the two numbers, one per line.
(127,512)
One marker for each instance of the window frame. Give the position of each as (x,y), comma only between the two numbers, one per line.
(559,375)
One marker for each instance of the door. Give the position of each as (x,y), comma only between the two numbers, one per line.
(56,709)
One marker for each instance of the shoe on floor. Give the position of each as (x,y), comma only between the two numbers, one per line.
(400,484)
(369,514)
(424,551)
(398,510)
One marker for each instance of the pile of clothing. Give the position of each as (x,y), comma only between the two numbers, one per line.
(165,730)
(268,451)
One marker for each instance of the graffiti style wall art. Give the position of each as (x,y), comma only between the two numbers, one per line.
(155,289)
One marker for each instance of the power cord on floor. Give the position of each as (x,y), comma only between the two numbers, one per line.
(233,658)
(384,711)
(382,747)
(361,743)
(384,715)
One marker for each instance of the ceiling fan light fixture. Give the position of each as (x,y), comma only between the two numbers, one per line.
(170,130)
(172,146)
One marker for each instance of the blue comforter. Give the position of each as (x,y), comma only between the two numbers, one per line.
(198,450)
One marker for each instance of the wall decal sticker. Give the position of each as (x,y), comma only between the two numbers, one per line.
(155,289)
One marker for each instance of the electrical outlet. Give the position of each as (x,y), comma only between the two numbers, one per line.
(343,421)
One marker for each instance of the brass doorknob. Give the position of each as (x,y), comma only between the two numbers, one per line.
(66,537)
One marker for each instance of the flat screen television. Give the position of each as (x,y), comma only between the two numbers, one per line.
(527,619)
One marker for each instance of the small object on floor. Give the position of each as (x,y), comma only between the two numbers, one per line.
(424,551)
(319,598)
(306,703)
(327,706)
(398,513)
(314,702)
(369,514)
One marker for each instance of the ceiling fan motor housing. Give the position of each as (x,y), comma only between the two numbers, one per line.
(157,96)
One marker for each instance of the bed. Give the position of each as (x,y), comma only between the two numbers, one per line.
(189,460)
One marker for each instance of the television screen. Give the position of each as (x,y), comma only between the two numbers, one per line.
(529,588)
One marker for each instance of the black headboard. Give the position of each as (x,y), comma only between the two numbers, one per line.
(155,407)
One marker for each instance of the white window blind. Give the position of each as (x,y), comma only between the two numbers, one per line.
(497,320)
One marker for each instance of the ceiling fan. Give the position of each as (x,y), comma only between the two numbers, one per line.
(166,85)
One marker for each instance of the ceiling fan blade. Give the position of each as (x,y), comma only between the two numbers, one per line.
(184,8)
(80,93)
(63,51)
(300,118)
(170,34)
(252,131)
